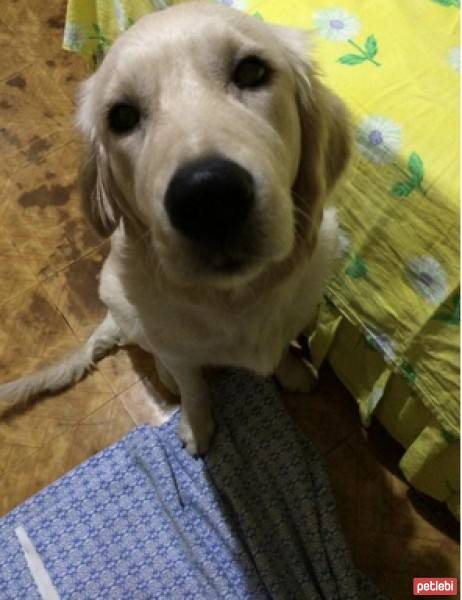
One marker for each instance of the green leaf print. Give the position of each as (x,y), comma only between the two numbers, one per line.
(365,54)
(449,313)
(258,16)
(102,42)
(402,188)
(414,176)
(455,3)
(408,372)
(357,267)
(415,167)
(371,46)
(351,59)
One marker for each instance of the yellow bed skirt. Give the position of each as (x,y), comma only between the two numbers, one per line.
(431,461)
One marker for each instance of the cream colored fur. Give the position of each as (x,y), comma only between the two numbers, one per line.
(291,135)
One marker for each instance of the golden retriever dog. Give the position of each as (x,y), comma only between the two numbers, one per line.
(212,147)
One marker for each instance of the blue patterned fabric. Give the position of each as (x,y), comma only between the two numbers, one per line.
(143,520)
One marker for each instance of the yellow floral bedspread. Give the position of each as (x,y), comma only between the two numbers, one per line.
(390,322)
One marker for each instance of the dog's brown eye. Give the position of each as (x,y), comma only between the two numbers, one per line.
(123,118)
(251,72)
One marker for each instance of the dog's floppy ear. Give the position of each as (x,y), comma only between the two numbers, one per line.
(100,196)
(325,128)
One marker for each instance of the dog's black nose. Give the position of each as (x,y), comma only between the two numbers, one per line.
(209,200)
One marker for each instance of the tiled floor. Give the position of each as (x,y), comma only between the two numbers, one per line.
(49,267)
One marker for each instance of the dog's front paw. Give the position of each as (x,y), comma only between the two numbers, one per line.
(295,375)
(196,439)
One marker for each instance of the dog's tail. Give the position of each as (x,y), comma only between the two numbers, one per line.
(70,370)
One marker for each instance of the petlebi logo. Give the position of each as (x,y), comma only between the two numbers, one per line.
(435,586)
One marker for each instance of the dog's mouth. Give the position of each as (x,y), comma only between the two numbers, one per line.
(228,265)
(223,263)
(227,257)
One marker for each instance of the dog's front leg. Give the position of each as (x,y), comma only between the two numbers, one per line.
(166,377)
(196,421)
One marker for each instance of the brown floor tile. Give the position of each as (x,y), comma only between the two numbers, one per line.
(99,430)
(145,405)
(342,468)
(36,117)
(125,367)
(393,561)
(39,25)
(68,70)
(15,56)
(327,415)
(16,275)
(41,216)
(63,452)
(407,510)
(33,332)
(375,485)
(75,290)
(53,411)
(26,434)
(390,540)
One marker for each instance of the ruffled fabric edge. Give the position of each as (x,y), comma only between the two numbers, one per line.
(431,460)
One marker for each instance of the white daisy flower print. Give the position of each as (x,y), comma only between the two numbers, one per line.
(336,25)
(454,58)
(238,4)
(74,36)
(379,139)
(428,278)
(383,343)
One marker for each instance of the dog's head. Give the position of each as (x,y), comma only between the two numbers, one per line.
(210,134)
